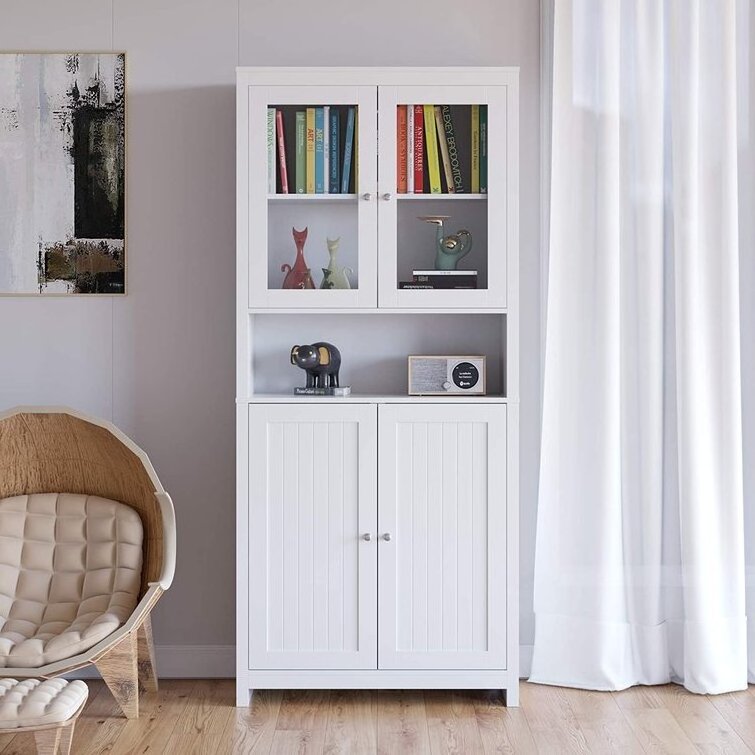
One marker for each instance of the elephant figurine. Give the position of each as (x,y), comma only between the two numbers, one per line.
(321,361)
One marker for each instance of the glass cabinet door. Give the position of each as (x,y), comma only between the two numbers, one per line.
(446,206)
(312,219)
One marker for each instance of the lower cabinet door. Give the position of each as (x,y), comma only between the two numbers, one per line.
(312,571)
(442,547)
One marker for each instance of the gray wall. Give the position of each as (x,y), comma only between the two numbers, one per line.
(160,361)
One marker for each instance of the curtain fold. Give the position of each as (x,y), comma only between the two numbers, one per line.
(640,569)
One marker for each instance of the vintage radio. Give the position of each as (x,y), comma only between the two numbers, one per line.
(442,375)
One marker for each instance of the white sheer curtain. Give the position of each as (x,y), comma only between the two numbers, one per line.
(646,519)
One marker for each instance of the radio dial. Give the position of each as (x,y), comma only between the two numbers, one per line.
(447,386)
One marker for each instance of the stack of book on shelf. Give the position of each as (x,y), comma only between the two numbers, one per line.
(429,279)
(429,155)
(325,145)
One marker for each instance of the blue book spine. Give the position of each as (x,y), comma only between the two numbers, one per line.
(347,152)
(319,154)
(335,139)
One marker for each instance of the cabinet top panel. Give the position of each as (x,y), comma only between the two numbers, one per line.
(462,75)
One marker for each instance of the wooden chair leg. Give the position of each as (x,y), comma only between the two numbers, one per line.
(119,670)
(66,738)
(48,741)
(146,653)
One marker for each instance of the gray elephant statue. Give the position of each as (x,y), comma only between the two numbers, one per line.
(321,361)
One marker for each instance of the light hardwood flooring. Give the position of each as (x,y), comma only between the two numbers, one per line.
(188,717)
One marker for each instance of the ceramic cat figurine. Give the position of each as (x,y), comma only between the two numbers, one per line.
(299,275)
(334,276)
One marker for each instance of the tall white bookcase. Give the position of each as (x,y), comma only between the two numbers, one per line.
(377,533)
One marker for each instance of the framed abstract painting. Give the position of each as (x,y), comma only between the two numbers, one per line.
(62,173)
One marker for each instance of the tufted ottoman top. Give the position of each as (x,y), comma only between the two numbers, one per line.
(70,573)
(33,702)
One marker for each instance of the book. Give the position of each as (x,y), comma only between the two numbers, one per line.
(411,285)
(431,145)
(410,149)
(335,151)
(355,152)
(401,149)
(443,144)
(271,174)
(301,152)
(483,149)
(419,150)
(444,272)
(347,151)
(326,149)
(282,151)
(319,154)
(475,149)
(310,150)
(447,281)
(344,390)
(453,150)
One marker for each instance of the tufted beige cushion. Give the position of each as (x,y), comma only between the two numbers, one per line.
(33,702)
(70,570)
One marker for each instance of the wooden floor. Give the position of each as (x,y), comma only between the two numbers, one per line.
(198,717)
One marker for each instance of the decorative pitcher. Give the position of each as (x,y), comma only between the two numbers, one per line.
(334,276)
(298,276)
(449,250)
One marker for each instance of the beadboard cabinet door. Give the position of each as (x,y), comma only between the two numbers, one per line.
(312,566)
(442,523)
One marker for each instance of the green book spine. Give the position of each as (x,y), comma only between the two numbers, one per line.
(483,149)
(301,152)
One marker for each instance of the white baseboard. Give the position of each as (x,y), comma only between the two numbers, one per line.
(185,662)
(219,662)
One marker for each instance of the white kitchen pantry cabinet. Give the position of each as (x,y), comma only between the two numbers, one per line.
(377,533)
(351,587)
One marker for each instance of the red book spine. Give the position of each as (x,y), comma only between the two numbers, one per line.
(282,151)
(419,149)
(401,166)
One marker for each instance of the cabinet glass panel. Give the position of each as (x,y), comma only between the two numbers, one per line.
(445,196)
(441,190)
(312,211)
(311,234)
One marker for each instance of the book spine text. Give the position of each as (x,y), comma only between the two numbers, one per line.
(419,150)
(282,151)
(271,174)
(401,169)
(347,152)
(335,152)
(443,144)
(310,150)
(475,149)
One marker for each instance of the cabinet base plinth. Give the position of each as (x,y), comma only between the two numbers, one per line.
(246,683)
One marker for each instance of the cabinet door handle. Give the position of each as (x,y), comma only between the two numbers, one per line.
(367,196)
(367,536)
(386,196)
(386,536)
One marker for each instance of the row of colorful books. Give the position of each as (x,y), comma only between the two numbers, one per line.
(430,279)
(323,160)
(427,142)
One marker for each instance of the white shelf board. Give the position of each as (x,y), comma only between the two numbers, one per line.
(364,398)
(455,197)
(307,198)
(377,311)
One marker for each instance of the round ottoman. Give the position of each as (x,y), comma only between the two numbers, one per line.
(47,707)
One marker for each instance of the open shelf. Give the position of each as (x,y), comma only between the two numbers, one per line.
(374,351)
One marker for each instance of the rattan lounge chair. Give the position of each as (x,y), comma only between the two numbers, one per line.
(87,547)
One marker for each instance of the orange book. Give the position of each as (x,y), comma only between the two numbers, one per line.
(401,167)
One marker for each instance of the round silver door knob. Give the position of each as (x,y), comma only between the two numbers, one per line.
(387,536)
(367,536)
(386,196)
(367,196)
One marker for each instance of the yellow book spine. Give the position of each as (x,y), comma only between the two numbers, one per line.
(475,149)
(310,150)
(431,144)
